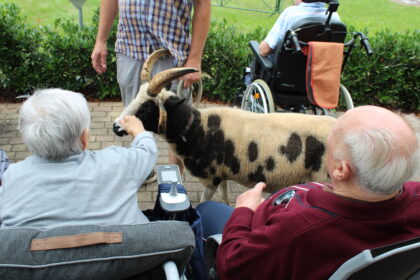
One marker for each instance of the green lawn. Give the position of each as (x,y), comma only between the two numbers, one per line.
(371,14)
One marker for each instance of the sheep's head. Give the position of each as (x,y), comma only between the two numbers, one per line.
(153,112)
(151,88)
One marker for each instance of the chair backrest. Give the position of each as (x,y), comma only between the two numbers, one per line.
(392,262)
(288,73)
(95,251)
(396,261)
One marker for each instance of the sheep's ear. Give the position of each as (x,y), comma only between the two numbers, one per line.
(181,101)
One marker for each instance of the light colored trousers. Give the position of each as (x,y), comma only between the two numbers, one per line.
(128,76)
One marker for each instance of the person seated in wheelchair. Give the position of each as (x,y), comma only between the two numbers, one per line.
(291,15)
(63,183)
(307,231)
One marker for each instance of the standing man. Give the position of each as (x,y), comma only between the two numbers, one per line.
(145,26)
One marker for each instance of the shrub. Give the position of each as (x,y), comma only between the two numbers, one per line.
(21,61)
(69,48)
(59,56)
(390,77)
(225,56)
(51,57)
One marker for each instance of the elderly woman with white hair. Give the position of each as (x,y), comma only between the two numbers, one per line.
(63,183)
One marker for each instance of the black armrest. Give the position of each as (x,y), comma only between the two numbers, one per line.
(263,60)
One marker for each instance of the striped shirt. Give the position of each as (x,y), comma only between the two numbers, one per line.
(145,26)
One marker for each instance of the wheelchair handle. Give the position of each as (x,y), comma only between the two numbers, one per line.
(364,41)
(295,40)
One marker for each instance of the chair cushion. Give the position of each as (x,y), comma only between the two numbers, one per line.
(143,247)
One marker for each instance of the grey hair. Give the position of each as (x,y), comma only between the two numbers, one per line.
(380,162)
(52,122)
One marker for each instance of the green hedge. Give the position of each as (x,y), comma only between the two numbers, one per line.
(226,55)
(59,56)
(390,77)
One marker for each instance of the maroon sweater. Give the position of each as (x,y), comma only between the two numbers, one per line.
(313,233)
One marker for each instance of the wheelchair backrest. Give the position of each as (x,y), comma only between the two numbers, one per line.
(289,65)
(395,261)
(95,251)
(315,29)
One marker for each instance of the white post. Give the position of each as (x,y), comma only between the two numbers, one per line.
(79,4)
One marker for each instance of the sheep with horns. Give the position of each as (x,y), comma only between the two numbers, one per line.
(219,144)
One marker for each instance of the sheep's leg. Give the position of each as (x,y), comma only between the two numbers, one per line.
(207,194)
(225,194)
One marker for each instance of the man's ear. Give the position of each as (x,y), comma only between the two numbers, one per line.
(341,170)
(85,138)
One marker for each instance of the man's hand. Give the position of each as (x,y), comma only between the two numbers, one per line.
(132,125)
(192,78)
(251,198)
(265,49)
(98,57)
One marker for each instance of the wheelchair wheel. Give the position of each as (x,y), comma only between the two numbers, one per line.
(344,100)
(346,97)
(196,90)
(257,98)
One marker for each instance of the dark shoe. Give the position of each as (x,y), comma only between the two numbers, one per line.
(151,178)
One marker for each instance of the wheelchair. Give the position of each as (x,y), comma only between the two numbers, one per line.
(395,261)
(166,248)
(279,84)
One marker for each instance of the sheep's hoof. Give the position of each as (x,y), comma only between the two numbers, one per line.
(118,130)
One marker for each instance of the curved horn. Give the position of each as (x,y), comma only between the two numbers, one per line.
(163,78)
(146,71)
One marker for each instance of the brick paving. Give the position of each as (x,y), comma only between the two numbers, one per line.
(101,136)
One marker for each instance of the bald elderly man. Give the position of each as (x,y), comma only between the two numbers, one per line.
(308,231)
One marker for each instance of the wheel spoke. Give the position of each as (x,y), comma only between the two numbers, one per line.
(256,98)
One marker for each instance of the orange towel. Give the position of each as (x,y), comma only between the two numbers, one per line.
(323,71)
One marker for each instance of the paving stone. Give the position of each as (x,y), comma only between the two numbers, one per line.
(193,186)
(146,205)
(16,140)
(94,146)
(102,109)
(98,114)
(145,196)
(19,148)
(13,105)
(99,131)
(108,144)
(162,144)
(21,155)
(6,148)
(12,157)
(97,125)
(101,119)
(114,114)
(8,134)
(11,110)
(105,138)
(110,104)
